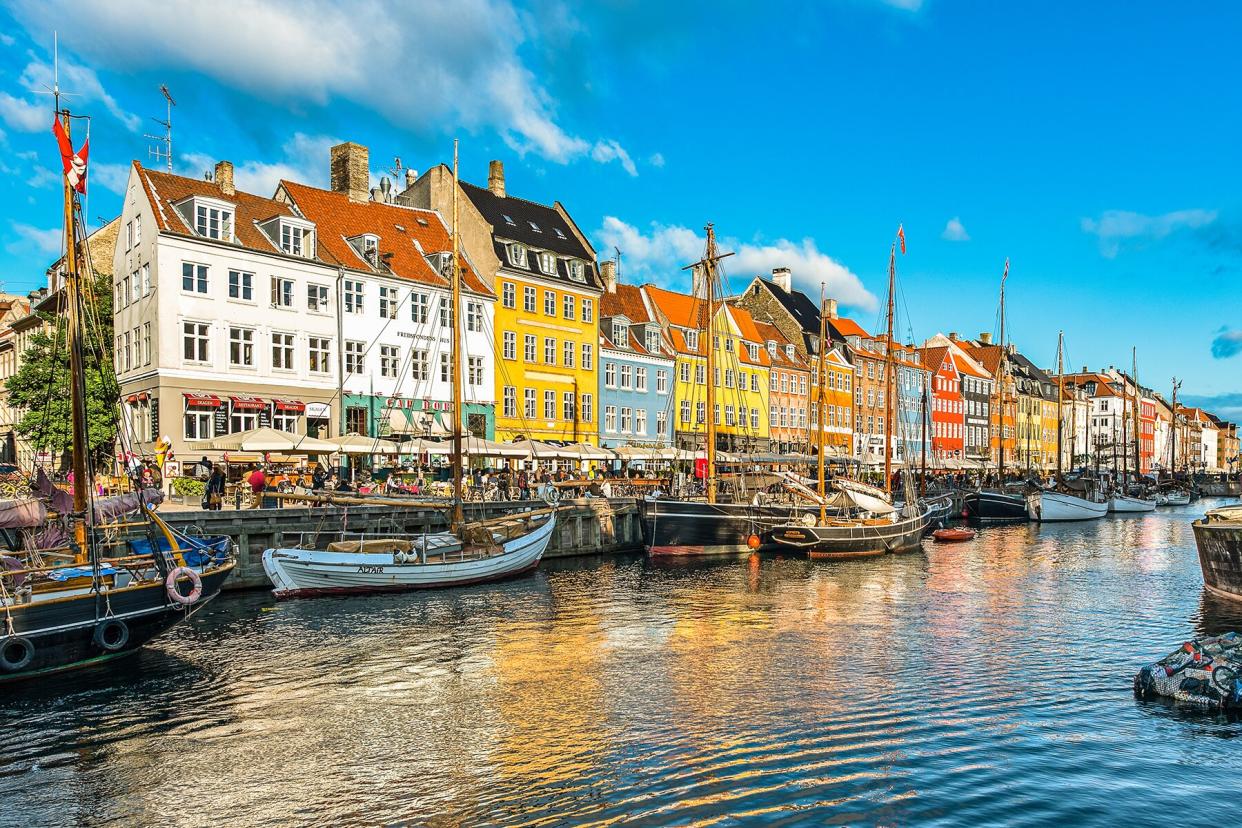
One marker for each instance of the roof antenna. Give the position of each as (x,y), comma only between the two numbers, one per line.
(155,151)
(55,90)
(618,252)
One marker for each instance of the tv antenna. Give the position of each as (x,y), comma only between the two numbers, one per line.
(617,250)
(156,151)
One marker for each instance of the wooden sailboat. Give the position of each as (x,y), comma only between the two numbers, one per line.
(1127,498)
(340,562)
(84,579)
(864,522)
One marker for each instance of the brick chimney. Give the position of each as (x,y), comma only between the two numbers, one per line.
(608,270)
(782,277)
(224,177)
(350,170)
(496,178)
(832,308)
(985,338)
(953,336)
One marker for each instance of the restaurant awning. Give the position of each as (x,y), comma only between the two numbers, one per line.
(357,444)
(202,400)
(266,440)
(247,403)
(289,405)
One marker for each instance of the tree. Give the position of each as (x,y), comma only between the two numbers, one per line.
(41,386)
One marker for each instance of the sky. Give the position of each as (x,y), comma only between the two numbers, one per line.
(1091,144)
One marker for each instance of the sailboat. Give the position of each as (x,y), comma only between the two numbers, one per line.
(1075,498)
(998,504)
(1173,492)
(341,562)
(85,580)
(1123,500)
(865,521)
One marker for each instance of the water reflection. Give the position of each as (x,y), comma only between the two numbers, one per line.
(967,684)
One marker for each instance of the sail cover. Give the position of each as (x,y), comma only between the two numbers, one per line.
(850,494)
(22,514)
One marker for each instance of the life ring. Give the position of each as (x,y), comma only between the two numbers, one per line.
(16,653)
(111,634)
(170,586)
(551,495)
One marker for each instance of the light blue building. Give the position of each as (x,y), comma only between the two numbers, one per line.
(635,370)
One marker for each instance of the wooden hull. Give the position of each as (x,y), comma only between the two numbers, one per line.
(842,542)
(1051,507)
(1220,555)
(1125,503)
(697,529)
(1221,488)
(994,506)
(62,632)
(301,573)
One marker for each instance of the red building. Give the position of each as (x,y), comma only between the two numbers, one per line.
(1147,434)
(948,412)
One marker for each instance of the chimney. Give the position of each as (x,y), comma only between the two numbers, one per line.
(699,283)
(224,177)
(496,178)
(985,338)
(782,277)
(832,308)
(1084,370)
(350,170)
(953,336)
(608,270)
(410,177)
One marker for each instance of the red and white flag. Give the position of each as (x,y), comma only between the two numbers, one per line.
(73,162)
(901,237)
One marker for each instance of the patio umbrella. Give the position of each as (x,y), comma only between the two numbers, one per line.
(271,439)
(357,444)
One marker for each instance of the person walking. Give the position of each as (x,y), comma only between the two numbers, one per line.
(214,495)
(258,481)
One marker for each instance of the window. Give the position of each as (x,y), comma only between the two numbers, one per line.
(775,383)
(388,302)
(610,418)
(729,418)
(549,303)
(588,310)
(528,299)
(198,425)
(146,343)
(754,352)
(716,413)
(640,379)
(729,343)
(241,347)
(567,406)
(683,372)
(547,262)
(685,411)
(620,334)
(282,292)
(446,312)
(474,371)
(136,280)
(193,278)
(243,420)
(728,377)
(610,374)
(549,351)
(700,413)
(700,374)
(661,423)
(420,303)
(510,401)
(549,405)
(356,419)
(754,419)
(129,235)
(569,354)
(510,345)
(661,382)
(318,349)
(125,338)
(474,317)
(569,310)
(528,398)
(195,341)
(627,378)
(784,383)
(282,351)
(446,367)
(640,421)
(213,222)
(353,296)
(292,238)
(529,345)
(355,357)
(420,365)
(587,355)
(692,340)
(508,294)
(586,408)
(285,421)
(317,298)
(773,416)
(517,254)
(627,420)
(576,271)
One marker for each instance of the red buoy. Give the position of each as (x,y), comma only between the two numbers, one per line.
(753,541)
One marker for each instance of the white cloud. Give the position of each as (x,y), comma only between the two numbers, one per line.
(6,40)
(41,177)
(954,231)
(432,64)
(24,116)
(112,177)
(31,237)
(656,159)
(1116,226)
(305,160)
(659,254)
(35,114)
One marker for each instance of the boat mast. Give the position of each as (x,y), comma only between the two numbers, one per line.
(458,472)
(1138,462)
(923,434)
(888,374)
(77,371)
(1060,391)
(1001,373)
(709,277)
(822,378)
(1125,430)
(1173,439)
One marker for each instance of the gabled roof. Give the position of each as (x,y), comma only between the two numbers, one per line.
(770,333)
(680,309)
(799,306)
(399,228)
(627,301)
(745,323)
(164,190)
(844,327)
(933,357)
(989,356)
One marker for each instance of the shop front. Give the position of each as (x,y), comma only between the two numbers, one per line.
(374,415)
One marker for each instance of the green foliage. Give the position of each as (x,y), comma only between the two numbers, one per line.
(188,487)
(41,386)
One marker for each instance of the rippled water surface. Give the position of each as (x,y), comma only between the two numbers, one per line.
(968,684)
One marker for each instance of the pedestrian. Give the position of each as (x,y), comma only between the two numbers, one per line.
(213,497)
(319,478)
(523,483)
(258,481)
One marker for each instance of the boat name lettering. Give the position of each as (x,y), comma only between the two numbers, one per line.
(366,569)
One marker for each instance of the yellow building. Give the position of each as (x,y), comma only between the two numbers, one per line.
(740,372)
(838,416)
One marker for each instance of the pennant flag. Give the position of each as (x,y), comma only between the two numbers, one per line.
(1006,273)
(901,237)
(73,162)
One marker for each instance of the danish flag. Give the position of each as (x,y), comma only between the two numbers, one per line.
(901,237)
(73,162)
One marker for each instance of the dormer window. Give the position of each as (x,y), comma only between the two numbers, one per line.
(772,347)
(692,340)
(535,227)
(509,221)
(441,263)
(517,254)
(620,333)
(653,340)
(754,351)
(367,246)
(576,270)
(297,239)
(559,234)
(212,219)
(789,351)
(547,263)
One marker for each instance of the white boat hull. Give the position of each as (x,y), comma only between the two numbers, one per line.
(1047,507)
(1174,499)
(308,572)
(1125,503)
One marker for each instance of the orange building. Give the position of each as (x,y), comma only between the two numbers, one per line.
(789,387)
(1004,417)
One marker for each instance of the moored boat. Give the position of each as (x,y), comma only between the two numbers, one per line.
(1120,503)
(1048,506)
(845,538)
(953,535)
(1218,536)
(990,505)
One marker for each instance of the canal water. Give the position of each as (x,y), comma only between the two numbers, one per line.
(980,683)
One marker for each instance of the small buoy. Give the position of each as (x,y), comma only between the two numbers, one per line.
(753,541)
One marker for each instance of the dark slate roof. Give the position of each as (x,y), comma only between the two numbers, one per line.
(800,307)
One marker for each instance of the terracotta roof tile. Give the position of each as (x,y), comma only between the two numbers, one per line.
(627,302)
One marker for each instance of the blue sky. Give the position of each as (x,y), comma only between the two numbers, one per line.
(1092,144)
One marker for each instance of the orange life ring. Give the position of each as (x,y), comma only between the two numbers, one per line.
(170,586)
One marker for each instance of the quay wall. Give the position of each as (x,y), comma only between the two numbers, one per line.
(588,526)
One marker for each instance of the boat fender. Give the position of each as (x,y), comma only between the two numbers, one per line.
(752,541)
(16,653)
(170,586)
(111,634)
